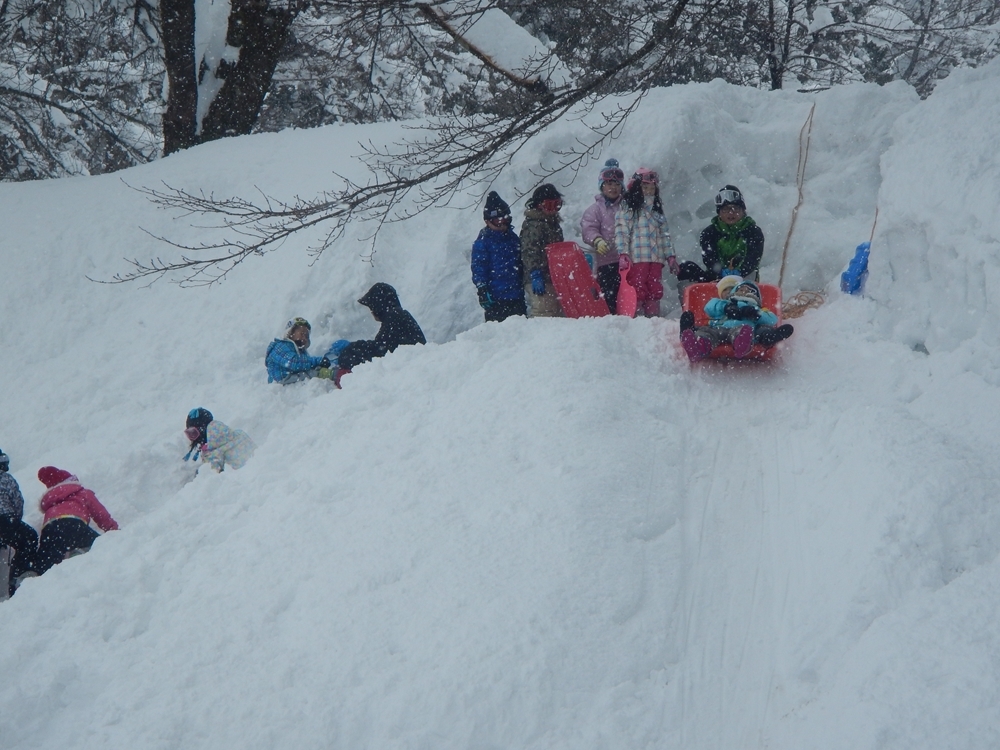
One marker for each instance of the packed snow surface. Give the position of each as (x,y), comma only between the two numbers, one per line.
(540,533)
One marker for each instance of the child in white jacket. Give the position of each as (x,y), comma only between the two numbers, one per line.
(215,442)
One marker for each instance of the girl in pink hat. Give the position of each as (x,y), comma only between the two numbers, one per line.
(69,508)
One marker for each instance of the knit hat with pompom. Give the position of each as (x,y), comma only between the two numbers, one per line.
(50,476)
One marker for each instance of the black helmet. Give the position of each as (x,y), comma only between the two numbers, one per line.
(199,418)
(730,194)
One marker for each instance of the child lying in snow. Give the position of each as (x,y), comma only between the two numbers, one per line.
(736,318)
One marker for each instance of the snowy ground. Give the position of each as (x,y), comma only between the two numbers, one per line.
(538,534)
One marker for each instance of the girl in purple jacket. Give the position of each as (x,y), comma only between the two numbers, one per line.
(598,229)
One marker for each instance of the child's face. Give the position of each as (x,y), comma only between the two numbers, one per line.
(731,213)
(648,188)
(611,190)
(300,335)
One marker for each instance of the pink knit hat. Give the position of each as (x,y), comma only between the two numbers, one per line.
(50,476)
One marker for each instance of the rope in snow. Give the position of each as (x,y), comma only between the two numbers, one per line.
(799,303)
(800,178)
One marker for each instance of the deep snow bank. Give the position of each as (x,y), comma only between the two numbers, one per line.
(536,534)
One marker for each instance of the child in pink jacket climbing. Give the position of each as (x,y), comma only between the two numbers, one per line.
(69,508)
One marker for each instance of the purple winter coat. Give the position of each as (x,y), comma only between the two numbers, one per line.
(599,221)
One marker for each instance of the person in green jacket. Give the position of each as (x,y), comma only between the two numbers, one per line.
(539,229)
(731,244)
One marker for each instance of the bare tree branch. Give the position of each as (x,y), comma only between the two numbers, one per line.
(454,153)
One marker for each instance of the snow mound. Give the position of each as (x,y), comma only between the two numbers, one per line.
(541,533)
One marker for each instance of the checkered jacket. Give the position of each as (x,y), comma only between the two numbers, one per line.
(645,236)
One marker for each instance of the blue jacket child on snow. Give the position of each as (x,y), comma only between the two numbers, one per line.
(497,269)
(735,317)
(288,359)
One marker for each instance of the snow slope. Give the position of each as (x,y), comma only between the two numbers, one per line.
(537,534)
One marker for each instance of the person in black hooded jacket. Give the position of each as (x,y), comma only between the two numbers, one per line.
(398,328)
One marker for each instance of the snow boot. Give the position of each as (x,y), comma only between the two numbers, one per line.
(771,336)
(687,320)
(743,342)
(697,347)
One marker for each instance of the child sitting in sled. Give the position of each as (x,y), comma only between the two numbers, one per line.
(735,318)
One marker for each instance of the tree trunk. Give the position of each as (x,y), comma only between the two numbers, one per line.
(259,32)
(180,120)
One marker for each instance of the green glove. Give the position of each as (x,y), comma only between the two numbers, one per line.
(601,246)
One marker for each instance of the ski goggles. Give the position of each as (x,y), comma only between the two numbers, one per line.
(650,178)
(613,175)
(499,220)
(728,196)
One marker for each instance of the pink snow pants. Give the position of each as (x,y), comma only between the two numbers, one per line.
(647,278)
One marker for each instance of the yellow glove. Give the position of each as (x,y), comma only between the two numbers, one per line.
(324,372)
(601,246)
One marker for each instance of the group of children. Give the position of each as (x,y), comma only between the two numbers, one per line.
(511,275)
(511,272)
(68,508)
(287,360)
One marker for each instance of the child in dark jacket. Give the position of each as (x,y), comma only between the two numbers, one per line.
(68,507)
(398,329)
(731,244)
(497,270)
(541,228)
(14,532)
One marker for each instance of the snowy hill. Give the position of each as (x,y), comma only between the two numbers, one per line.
(542,533)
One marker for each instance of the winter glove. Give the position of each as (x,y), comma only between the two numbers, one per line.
(732,310)
(537,282)
(336,348)
(486,300)
(749,312)
(600,246)
(325,363)
(672,264)
(325,373)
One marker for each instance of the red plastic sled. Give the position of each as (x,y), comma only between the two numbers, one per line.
(697,295)
(577,289)
(628,299)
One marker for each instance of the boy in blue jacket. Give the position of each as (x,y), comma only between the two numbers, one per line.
(497,269)
(736,318)
(288,359)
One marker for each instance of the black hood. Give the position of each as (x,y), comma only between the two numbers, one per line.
(380,299)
